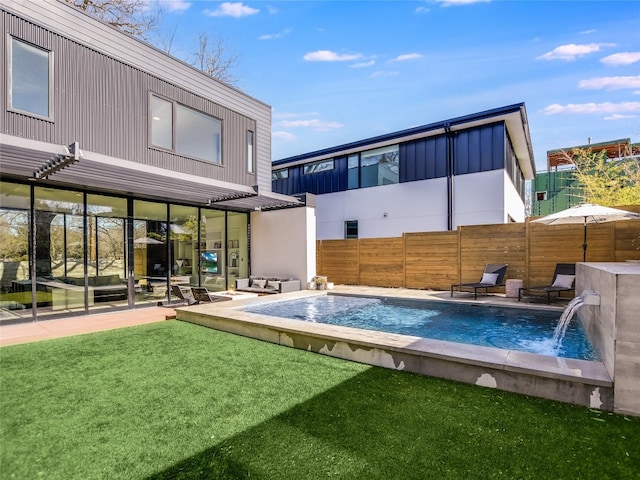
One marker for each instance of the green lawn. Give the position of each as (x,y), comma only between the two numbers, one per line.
(175,400)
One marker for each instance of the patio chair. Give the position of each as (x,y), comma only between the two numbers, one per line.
(493,276)
(564,279)
(184,294)
(202,295)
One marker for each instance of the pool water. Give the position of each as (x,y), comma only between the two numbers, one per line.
(508,328)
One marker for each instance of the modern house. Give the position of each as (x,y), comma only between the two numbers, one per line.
(557,189)
(463,171)
(124,171)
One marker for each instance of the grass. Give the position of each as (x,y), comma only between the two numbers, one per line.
(175,400)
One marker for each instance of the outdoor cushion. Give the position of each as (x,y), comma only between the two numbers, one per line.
(564,281)
(489,278)
(274,284)
(259,283)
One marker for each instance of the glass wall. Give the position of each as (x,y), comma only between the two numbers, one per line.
(151,266)
(59,251)
(107,251)
(15,284)
(80,245)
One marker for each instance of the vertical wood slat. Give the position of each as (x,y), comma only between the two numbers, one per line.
(435,260)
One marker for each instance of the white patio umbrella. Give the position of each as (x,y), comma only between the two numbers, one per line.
(585,214)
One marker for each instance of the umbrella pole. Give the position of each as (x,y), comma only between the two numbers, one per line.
(584,242)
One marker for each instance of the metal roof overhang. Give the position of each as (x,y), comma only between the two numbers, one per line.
(20,158)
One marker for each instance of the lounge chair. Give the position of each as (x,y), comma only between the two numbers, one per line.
(493,276)
(564,279)
(184,294)
(202,295)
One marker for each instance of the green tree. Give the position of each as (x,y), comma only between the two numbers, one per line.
(605,181)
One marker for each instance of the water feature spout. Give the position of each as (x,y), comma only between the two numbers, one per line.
(585,298)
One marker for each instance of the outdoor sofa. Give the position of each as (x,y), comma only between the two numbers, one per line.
(267,284)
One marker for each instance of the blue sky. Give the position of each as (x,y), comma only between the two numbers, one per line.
(340,71)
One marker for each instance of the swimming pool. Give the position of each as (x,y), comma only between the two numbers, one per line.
(508,328)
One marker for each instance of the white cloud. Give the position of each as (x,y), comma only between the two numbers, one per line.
(618,116)
(271,36)
(228,9)
(329,56)
(423,10)
(572,51)
(592,108)
(610,83)
(286,136)
(450,3)
(370,63)
(315,124)
(407,56)
(622,58)
(176,5)
(588,32)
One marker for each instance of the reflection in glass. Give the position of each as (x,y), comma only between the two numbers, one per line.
(29,78)
(197,134)
(213,243)
(150,251)
(380,166)
(15,284)
(161,123)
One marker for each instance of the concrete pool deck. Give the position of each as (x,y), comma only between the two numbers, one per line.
(580,382)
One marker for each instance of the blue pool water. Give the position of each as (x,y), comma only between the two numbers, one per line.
(508,328)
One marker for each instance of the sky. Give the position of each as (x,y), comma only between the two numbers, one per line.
(336,72)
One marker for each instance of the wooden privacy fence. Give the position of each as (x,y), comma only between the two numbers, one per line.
(435,260)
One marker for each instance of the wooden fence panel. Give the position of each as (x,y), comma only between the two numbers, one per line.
(431,260)
(483,244)
(435,260)
(382,262)
(627,240)
(339,261)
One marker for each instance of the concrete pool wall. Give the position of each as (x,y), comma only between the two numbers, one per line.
(614,326)
(580,382)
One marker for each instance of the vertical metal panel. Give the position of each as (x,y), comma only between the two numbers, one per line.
(102,103)
(498,146)
(423,162)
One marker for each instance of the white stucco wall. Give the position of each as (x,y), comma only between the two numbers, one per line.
(283,242)
(410,207)
(478,199)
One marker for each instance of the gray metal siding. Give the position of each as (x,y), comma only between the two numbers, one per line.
(102,102)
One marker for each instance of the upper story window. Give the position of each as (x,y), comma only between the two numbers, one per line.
(185,131)
(278,174)
(30,79)
(380,166)
(317,167)
(353,171)
(250,155)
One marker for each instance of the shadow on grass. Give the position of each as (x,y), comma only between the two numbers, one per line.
(384,424)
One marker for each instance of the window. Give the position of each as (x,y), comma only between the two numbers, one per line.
(30,80)
(278,174)
(380,166)
(317,167)
(161,123)
(540,196)
(185,131)
(351,229)
(250,161)
(353,171)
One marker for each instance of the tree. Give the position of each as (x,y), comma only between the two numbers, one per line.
(141,17)
(136,17)
(210,58)
(605,181)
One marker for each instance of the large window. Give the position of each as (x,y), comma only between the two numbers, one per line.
(30,79)
(278,174)
(185,131)
(380,166)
